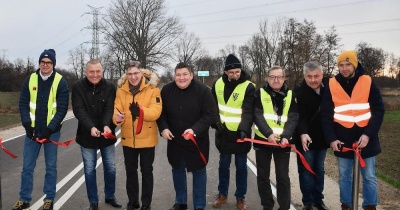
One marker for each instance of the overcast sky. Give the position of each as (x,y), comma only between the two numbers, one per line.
(28,27)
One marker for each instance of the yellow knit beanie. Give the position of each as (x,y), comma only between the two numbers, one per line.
(350,56)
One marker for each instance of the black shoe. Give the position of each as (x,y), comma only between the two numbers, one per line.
(321,206)
(113,202)
(198,209)
(179,207)
(308,207)
(145,208)
(20,205)
(94,206)
(132,206)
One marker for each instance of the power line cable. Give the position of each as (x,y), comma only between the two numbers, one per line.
(277,13)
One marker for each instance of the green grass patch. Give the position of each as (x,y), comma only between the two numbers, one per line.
(392,116)
(388,180)
(7,120)
(9,98)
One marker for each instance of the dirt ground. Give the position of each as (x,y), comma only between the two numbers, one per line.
(389,196)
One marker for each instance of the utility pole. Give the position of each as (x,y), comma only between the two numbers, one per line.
(95,51)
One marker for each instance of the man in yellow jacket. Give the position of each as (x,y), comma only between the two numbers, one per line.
(138,104)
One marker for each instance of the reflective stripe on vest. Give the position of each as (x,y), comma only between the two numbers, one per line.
(52,102)
(270,115)
(230,113)
(354,110)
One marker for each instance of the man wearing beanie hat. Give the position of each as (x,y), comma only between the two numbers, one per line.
(51,54)
(234,94)
(352,112)
(43,105)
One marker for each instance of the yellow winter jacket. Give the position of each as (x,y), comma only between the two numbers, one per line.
(149,99)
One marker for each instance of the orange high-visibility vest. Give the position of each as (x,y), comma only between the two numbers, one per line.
(355,109)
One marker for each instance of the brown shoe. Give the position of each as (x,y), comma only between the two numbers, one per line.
(345,207)
(219,200)
(370,207)
(240,204)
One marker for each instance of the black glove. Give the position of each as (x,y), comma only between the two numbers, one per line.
(46,134)
(218,126)
(135,111)
(242,135)
(28,130)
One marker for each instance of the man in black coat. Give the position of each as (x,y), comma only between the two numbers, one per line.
(93,105)
(234,94)
(188,111)
(310,140)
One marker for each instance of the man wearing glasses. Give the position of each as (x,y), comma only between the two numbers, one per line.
(275,118)
(43,105)
(138,105)
(234,94)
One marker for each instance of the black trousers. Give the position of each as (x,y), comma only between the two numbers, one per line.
(281,160)
(146,167)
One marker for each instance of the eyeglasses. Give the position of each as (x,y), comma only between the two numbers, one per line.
(231,73)
(276,77)
(46,63)
(133,73)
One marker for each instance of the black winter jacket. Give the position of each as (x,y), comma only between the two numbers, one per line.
(44,88)
(308,102)
(277,100)
(93,106)
(334,131)
(183,109)
(225,140)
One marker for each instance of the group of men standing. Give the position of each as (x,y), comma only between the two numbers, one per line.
(319,113)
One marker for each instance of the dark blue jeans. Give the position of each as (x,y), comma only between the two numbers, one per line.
(31,152)
(89,157)
(241,174)
(312,186)
(199,185)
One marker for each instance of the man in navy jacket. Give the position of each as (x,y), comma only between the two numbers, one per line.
(43,105)
(352,112)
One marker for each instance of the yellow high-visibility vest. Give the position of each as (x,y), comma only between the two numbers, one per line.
(270,115)
(230,112)
(52,102)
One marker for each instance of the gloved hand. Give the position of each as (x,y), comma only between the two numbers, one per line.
(242,135)
(217,126)
(135,111)
(46,134)
(28,130)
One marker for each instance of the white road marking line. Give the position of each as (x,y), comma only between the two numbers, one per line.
(61,201)
(253,168)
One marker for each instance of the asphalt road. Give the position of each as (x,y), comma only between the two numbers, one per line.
(71,190)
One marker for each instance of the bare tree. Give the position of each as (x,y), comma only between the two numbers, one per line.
(78,58)
(141,30)
(373,59)
(331,48)
(188,48)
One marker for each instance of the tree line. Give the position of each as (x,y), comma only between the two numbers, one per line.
(144,31)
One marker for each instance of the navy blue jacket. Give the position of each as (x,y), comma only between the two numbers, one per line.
(334,131)
(44,88)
